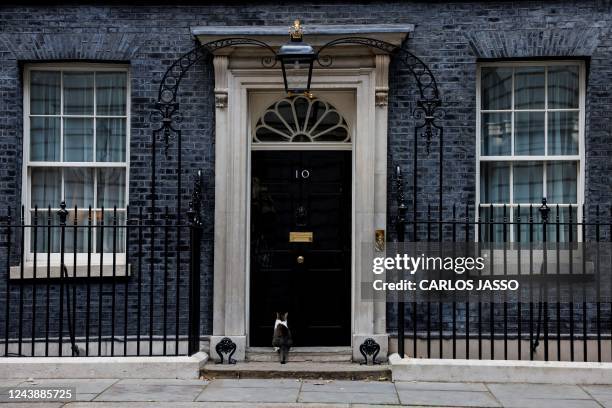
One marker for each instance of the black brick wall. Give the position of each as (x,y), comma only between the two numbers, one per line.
(449,36)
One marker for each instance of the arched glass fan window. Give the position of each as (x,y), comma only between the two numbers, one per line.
(302,120)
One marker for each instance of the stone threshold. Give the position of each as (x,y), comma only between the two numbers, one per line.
(500,371)
(182,367)
(298,370)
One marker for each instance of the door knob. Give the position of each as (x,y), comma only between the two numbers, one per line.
(300,259)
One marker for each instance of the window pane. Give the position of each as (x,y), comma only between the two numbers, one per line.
(45,93)
(496,131)
(110,93)
(78,93)
(529,133)
(41,236)
(110,140)
(46,187)
(111,188)
(563,87)
(492,228)
(79,187)
(563,133)
(78,139)
(528,182)
(80,232)
(566,230)
(528,223)
(561,182)
(494,182)
(529,88)
(114,237)
(44,139)
(496,88)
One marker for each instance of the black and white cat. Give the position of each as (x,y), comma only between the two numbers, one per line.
(281,340)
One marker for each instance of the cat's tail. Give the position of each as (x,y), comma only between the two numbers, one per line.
(284,351)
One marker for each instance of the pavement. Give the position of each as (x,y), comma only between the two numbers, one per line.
(174,393)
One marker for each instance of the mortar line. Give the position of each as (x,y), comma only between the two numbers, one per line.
(299,391)
(201,391)
(112,384)
(590,395)
(399,401)
(492,394)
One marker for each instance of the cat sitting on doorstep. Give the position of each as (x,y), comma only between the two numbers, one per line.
(281,341)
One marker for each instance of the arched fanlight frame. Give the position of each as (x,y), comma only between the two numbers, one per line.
(300,119)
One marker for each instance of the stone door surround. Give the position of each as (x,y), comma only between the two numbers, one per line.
(238,72)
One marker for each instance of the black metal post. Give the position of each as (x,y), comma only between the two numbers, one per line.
(544,213)
(62,214)
(400,226)
(195,237)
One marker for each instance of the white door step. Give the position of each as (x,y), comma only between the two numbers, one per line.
(298,370)
(301,354)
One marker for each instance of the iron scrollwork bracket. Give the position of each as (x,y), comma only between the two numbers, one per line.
(369,348)
(226,346)
(166,108)
(428,111)
(166,113)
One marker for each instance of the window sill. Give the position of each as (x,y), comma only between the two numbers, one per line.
(121,270)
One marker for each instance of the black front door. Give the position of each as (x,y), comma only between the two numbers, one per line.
(301,246)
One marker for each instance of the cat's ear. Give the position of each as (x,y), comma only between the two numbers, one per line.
(285,316)
(278,316)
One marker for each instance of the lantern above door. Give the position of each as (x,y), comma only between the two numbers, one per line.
(296,58)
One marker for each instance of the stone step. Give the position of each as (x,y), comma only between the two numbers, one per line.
(298,370)
(301,354)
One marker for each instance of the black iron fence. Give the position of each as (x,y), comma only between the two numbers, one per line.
(99,282)
(514,329)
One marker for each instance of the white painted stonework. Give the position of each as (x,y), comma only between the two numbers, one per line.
(239,75)
(183,367)
(500,371)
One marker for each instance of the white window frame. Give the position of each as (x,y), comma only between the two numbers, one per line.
(579,158)
(82,258)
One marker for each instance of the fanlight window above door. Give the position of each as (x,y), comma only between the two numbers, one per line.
(302,120)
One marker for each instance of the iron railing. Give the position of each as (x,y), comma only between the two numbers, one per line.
(510,330)
(99,282)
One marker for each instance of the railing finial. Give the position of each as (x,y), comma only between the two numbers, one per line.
(544,210)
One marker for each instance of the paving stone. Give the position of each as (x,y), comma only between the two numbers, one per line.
(207,405)
(83,385)
(248,394)
(447,398)
(9,383)
(256,383)
(600,393)
(163,381)
(605,401)
(150,392)
(440,386)
(32,404)
(545,403)
(601,390)
(348,386)
(541,391)
(378,406)
(349,397)
(85,397)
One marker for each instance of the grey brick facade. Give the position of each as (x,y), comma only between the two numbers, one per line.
(449,36)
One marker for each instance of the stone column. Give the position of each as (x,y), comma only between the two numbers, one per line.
(225,321)
(370,319)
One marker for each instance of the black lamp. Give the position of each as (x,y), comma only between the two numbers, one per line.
(297,58)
